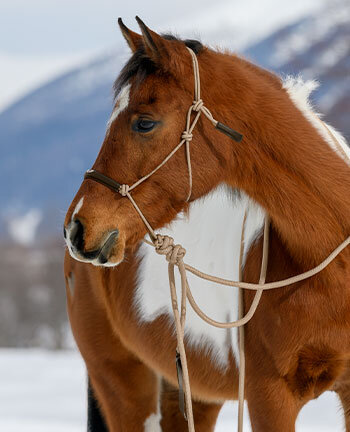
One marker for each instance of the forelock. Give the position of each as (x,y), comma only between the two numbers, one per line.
(140,65)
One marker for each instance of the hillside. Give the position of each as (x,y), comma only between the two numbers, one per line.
(317,47)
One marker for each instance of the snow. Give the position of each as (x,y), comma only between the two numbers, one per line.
(330,98)
(45,391)
(23,228)
(90,76)
(42,391)
(321,415)
(315,31)
(237,25)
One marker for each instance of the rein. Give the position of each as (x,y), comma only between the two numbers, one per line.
(164,245)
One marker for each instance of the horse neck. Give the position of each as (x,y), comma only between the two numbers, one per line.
(288,167)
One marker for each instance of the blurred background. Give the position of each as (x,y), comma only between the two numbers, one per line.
(58,61)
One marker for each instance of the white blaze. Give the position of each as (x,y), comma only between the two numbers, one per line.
(121,103)
(78,207)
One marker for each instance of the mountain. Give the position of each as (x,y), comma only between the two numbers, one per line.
(51,136)
(317,47)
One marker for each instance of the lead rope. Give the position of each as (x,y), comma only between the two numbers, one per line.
(174,254)
(241,336)
(164,245)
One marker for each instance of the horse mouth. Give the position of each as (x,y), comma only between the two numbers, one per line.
(104,256)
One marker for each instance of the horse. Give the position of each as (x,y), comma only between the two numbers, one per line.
(287,167)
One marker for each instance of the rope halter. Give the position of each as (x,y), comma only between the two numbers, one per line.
(164,245)
(124,190)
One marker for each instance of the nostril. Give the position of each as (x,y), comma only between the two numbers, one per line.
(102,259)
(77,234)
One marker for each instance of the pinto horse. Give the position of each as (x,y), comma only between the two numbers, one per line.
(297,345)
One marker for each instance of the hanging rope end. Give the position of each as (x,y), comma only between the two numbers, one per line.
(182,404)
(236,136)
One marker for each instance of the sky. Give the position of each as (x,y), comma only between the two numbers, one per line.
(40,39)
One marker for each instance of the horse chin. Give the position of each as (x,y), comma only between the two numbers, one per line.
(99,261)
(106,263)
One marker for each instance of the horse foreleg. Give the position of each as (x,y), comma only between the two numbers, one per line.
(272,406)
(128,397)
(96,422)
(205,414)
(127,391)
(342,388)
(344,396)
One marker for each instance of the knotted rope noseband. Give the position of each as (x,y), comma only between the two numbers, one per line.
(164,245)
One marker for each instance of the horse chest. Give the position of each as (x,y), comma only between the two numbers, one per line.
(211,235)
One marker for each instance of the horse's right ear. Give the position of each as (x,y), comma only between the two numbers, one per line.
(133,39)
(158,49)
(165,53)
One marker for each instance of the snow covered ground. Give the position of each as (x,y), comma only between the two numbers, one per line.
(41,391)
(44,391)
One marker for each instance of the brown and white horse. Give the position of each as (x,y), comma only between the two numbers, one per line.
(298,343)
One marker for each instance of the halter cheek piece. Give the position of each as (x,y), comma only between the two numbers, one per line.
(174,254)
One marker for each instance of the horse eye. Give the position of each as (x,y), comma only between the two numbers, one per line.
(143,125)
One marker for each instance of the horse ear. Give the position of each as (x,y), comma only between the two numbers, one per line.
(133,39)
(156,46)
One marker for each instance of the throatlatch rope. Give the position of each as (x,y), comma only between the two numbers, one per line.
(164,245)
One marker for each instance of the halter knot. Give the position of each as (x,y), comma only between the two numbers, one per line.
(197,105)
(186,136)
(124,189)
(164,245)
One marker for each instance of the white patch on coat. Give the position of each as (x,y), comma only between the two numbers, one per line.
(299,91)
(78,208)
(152,423)
(121,103)
(212,236)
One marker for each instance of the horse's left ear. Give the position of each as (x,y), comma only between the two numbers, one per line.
(157,48)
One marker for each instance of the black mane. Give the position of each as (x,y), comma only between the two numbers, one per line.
(140,65)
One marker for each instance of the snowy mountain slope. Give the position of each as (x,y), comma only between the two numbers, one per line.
(51,136)
(318,47)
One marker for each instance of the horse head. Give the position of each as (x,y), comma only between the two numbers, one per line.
(153,94)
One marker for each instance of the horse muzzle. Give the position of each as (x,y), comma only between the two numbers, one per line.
(109,252)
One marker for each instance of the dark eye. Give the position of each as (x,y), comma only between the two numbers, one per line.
(143,125)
